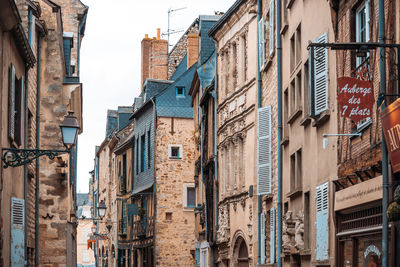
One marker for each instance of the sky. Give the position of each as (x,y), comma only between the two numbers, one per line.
(110,59)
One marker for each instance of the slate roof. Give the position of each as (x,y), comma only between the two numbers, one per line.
(153,87)
(123,116)
(206,44)
(82,199)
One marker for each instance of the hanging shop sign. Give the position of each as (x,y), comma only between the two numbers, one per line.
(391,129)
(98,237)
(356,98)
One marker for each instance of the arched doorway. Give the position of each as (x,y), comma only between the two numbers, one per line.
(241,255)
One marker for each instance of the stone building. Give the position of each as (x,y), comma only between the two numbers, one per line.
(236,39)
(309,165)
(357,208)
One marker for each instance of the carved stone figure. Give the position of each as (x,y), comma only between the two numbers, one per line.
(223,224)
(287,233)
(299,231)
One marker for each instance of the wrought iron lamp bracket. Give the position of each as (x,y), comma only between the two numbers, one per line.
(14,157)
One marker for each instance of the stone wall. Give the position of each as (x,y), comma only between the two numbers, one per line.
(174,226)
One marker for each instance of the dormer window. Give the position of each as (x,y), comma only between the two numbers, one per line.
(180,91)
(68,40)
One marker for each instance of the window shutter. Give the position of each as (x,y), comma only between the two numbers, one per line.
(271,26)
(322,216)
(367,17)
(262,245)
(197,257)
(272,235)
(321,76)
(310,86)
(11,103)
(20,110)
(261,43)
(264,155)
(17,232)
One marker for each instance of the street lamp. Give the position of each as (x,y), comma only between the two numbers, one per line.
(69,129)
(94,229)
(101,208)
(15,157)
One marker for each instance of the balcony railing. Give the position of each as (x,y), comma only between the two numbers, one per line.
(143,228)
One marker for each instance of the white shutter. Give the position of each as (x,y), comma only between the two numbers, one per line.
(17,232)
(321,76)
(367,15)
(271,26)
(272,235)
(264,153)
(262,245)
(261,43)
(322,216)
(11,103)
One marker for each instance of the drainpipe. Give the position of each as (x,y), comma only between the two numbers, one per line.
(259,89)
(154,173)
(279,92)
(26,85)
(39,63)
(385,182)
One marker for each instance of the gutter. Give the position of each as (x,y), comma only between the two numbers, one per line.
(39,63)
(279,92)
(259,91)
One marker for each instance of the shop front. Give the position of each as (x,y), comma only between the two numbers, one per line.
(358,210)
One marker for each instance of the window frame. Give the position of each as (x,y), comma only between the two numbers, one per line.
(183,91)
(180,151)
(185,199)
(363,8)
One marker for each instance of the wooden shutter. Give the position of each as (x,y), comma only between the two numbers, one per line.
(11,103)
(261,43)
(17,232)
(19,107)
(272,235)
(264,154)
(321,76)
(322,217)
(262,245)
(271,26)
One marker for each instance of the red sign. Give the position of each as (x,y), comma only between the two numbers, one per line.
(391,129)
(356,98)
(98,237)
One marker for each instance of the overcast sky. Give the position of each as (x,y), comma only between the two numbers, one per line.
(110,59)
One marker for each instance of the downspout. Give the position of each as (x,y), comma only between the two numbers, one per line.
(154,173)
(259,89)
(385,182)
(26,85)
(39,63)
(279,92)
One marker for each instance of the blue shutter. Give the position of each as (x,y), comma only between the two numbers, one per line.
(271,26)
(261,43)
(197,256)
(321,75)
(262,245)
(272,235)
(17,232)
(264,153)
(321,223)
(11,103)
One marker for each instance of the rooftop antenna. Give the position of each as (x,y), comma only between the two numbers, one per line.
(169,32)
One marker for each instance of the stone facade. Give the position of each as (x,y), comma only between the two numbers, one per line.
(174,231)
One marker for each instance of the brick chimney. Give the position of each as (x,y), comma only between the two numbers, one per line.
(192,49)
(158,68)
(146,47)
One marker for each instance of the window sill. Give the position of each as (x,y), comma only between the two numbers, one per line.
(268,62)
(295,115)
(289,4)
(268,197)
(321,119)
(294,193)
(305,252)
(188,209)
(284,28)
(285,141)
(321,263)
(175,158)
(305,121)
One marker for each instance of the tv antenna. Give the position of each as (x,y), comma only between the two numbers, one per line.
(169,31)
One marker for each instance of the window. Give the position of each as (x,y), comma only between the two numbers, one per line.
(322,224)
(264,147)
(180,91)
(137,156)
(362,26)
(191,197)
(296,171)
(15,106)
(68,38)
(123,176)
(261,43)
(243,58)
(295,49)
(142,153)
(271,26)
(148,149)
(285,112)
(234,66)
(175,151)
(168,216)
(306,220)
